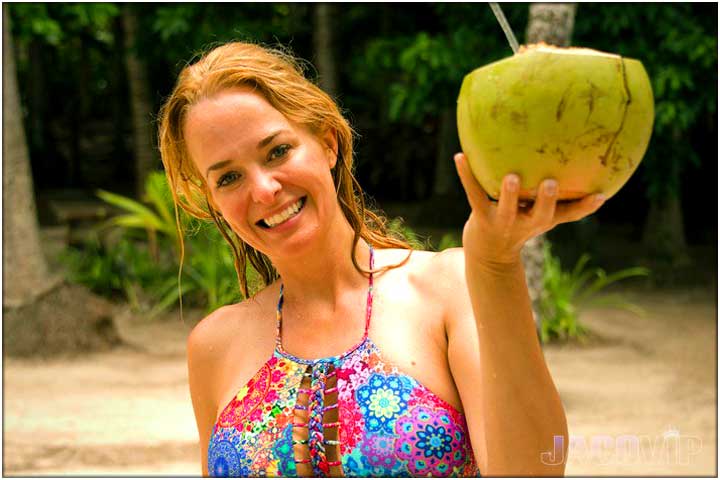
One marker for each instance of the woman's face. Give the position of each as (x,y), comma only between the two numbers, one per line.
(268,177)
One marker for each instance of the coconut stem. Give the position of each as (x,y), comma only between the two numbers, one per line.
(505,26)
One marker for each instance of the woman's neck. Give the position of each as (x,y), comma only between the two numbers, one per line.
(322,276)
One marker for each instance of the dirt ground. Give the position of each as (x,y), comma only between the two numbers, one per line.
(640,401)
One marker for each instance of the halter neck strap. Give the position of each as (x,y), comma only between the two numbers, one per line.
(368,309)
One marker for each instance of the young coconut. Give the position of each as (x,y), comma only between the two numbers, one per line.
(581,116)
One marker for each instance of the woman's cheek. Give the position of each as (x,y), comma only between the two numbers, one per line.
(231,203)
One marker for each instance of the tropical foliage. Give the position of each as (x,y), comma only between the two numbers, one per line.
(567,293)
(399,68)
(407,66)
(143,263)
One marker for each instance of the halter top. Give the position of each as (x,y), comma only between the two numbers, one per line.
(353,415)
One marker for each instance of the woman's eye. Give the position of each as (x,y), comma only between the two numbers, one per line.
(279,151)
(226,179)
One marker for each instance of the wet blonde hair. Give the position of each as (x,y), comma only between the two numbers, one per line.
(279,78)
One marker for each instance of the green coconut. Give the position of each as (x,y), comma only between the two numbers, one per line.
(580,116)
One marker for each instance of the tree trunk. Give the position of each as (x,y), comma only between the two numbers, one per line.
(446,183)
(323,43)
(119,104)
(140,104)
(553,24)
(41,315)
(37,99)
(664,230)
(664,233)
(25,267)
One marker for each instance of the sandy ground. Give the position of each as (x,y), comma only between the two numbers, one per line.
(640,402)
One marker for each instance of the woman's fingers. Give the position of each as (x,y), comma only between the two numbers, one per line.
(507,208)
(576,210)
(477,198)
(543,211)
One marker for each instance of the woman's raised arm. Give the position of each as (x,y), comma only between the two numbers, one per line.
(513,408)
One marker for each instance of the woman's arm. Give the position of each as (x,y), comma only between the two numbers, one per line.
(510,402)
(205,352)
(514,411)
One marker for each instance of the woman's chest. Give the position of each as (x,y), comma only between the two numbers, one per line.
(406,324)
(409,329)
(356,415)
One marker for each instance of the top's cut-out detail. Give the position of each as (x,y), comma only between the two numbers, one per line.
(352,414)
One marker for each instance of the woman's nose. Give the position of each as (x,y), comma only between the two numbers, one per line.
(264,188)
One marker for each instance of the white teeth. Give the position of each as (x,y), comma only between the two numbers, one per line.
(284,215)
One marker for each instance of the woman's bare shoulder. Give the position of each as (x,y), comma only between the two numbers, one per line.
(450,262)
(431,269)
(245,321)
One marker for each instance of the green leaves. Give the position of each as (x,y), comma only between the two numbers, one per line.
(138,216)
(419,72)
(566,294)
(677,44)
(397,227)
(142,267)
(34,20)
(424,72)
(173,21)
(159,219)
(52,23)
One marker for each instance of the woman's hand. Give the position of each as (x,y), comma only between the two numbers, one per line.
(496,232)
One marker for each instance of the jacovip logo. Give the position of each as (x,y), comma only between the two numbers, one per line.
(668,448)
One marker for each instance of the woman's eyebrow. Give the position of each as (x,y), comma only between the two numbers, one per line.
(262,143)
(216,166)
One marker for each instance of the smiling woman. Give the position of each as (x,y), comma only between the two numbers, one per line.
(271,168)
(279,84)
(359,356)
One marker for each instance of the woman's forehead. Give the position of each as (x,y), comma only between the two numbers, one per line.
(229,121)
(237,107)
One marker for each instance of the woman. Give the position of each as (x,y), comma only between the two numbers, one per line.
(359,357)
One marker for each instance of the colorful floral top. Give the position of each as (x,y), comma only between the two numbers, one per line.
(352,415)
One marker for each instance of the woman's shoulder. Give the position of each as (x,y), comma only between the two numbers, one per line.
(424,264)
(434,276)
(229,325)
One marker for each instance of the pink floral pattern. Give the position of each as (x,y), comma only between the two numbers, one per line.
(390,425)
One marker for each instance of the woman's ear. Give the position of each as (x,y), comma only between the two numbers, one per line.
(330,143)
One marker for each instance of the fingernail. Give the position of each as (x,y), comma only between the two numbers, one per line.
(512,183)
(551,187)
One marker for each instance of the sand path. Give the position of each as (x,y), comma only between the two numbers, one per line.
(128,412)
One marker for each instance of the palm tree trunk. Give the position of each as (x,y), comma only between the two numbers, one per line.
(38,98)
(553,24)
(664,233)
(664,230)
(25,268)
(140,104)
(323,43)
(42,315)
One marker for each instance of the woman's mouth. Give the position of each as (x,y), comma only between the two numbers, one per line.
(284,216)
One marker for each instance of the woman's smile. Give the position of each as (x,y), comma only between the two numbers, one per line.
(285,216)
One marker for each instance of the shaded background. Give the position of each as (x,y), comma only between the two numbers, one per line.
(398,71)
(91,79)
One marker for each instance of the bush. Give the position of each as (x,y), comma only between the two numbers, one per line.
(398,229)
(565,294)
(143,265)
